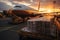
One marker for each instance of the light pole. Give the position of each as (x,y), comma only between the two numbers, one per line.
(39,5)
(54,2)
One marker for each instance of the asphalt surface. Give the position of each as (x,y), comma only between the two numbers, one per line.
(5,25)
(9,31)
(18,27)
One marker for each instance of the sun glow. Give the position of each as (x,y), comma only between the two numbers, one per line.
(46,10)
(49,8)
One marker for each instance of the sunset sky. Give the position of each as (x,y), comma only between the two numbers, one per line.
(43,3)
(48,4)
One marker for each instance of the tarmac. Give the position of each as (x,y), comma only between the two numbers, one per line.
(5,25)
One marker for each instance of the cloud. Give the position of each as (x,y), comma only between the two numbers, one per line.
(5,5)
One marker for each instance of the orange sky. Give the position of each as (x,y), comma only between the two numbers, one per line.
(45,5)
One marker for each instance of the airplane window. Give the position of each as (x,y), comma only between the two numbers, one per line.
(18,6)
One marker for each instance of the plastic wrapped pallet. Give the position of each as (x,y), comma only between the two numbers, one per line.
(42,26)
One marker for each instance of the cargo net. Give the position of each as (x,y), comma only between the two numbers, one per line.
(47,28)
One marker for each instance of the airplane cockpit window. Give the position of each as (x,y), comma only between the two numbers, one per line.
(18,6)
